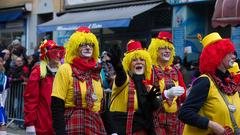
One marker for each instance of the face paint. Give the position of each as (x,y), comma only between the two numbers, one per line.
(86,50)
(55,54)
(138,66)
(230,63)
(164,54)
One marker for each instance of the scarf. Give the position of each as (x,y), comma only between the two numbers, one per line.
(168,74)
(86,71)
(228,86)
(84,65)
(130,114)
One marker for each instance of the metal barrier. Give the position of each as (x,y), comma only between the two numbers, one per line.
(14,103)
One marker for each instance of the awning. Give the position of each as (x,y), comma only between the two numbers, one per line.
(11,15)
(106,18)
(227,12)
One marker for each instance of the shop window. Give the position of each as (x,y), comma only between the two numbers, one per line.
(9,36)
(162,17)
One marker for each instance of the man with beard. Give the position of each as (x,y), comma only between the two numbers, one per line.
(37,95)
(133,101)
(170,82)
(77,93)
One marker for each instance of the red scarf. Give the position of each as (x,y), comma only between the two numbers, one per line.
(230,88)
(130,110)
(168,74)
(83,64)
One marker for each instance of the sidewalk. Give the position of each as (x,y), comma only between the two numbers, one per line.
(14,129)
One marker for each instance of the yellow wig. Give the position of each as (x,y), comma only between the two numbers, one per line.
(77,39)
(142,54)
(160,43)
(43,67)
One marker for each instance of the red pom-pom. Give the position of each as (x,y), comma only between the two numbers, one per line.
(236,79)
(83,29)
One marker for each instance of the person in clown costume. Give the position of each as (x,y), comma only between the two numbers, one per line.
(133,100)
(213,105)
(170,81)
(77,96)
(37,94)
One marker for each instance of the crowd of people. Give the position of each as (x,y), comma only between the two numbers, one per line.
(152,92)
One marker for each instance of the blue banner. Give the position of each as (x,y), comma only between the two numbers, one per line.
(91,25)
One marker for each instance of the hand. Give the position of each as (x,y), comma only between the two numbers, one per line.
(216,128)
(30,130)
(174,91)
(115,55)
(154,92)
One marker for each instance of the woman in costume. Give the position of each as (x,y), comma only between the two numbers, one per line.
(77,93)
(170,81)
(37,94)
(213,105)
(132,101)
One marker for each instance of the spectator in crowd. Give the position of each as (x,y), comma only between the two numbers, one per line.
(195,73)
(107,72)
(171,84)
(4,87)
(30,62)
(2,45)
(19,72)
(213,105)
(6,60)
(77,94)
(107,75)
(37,95)
(177,63)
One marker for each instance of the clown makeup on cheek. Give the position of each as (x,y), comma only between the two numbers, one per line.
(55,54)
(231,62)
(164,53)
(230,59)
(138,66)
(86,50)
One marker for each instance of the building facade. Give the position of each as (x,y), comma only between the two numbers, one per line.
(114,22)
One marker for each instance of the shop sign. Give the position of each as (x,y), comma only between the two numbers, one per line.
(184,1)
(77,2)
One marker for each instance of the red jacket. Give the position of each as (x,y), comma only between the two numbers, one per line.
(37,102)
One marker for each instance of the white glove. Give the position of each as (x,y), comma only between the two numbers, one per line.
(114,134)
(30,130)
(174,91)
